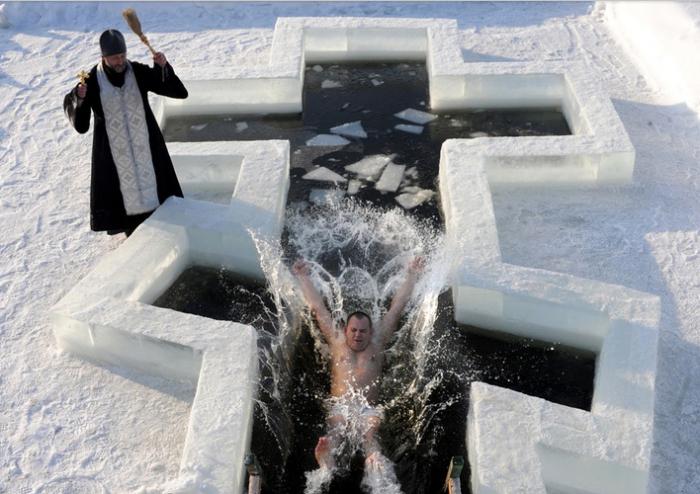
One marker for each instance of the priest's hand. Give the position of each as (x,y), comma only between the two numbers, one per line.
(81,91)
(159,59)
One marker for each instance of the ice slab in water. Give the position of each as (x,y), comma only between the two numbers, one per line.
(323,174)
(317,68)
(391,178)
(412,198)
(370,166)
(327,140)
(478,134)
(412,173)
(350,129)
(354,187)
(415,116)
(198,127)
(377,82)
(241,126)
(326,197)
(411,129)
(328,84)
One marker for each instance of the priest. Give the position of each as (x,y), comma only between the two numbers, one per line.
(132,173)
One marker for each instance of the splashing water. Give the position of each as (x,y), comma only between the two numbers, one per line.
(358,256)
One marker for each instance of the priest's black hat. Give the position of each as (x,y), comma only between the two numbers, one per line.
(112,42)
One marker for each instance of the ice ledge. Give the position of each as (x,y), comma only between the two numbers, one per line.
(519,443)
(107,316)
(454,84)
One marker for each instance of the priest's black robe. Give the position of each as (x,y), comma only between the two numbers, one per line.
(106,202)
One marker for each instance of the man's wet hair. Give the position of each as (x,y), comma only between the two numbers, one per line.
(359,314)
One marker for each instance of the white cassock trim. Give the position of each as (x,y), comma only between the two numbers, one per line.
(125,120)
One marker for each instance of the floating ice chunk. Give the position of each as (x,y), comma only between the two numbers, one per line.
(409,200)
(416,116)
(4,22)
(412,172)
(370,166)
(478,134)
(323,174)
(411,129)
(327,140)
(391,178)
(328,84)
(345,106)
(241,126)
(350,129)
(455,123)
(326,197)
(317,68)
(377,82)
(354,187)
(197,128)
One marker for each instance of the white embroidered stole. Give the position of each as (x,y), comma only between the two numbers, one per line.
(125,120)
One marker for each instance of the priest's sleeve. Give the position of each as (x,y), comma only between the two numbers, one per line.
(77,110)
(165,82)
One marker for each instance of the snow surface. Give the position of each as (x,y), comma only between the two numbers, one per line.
(67,425)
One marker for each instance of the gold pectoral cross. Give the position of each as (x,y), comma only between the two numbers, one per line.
(83,76)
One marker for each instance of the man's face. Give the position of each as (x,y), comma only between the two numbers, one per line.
(116,62)
(358,333)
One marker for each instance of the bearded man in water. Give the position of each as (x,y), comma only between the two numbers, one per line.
(357,355)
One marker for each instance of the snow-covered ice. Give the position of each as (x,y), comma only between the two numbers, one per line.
(323,174)
(415,116)
(327,140)
(70,426)
(350,129)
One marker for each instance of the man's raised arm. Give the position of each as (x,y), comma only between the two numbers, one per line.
(390,321)
(314,300)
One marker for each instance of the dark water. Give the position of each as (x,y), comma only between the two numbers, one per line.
(458,356)
(402,86)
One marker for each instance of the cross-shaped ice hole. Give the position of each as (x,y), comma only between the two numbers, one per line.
(381,164)
(516,443)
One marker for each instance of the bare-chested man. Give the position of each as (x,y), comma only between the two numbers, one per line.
(357,354)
